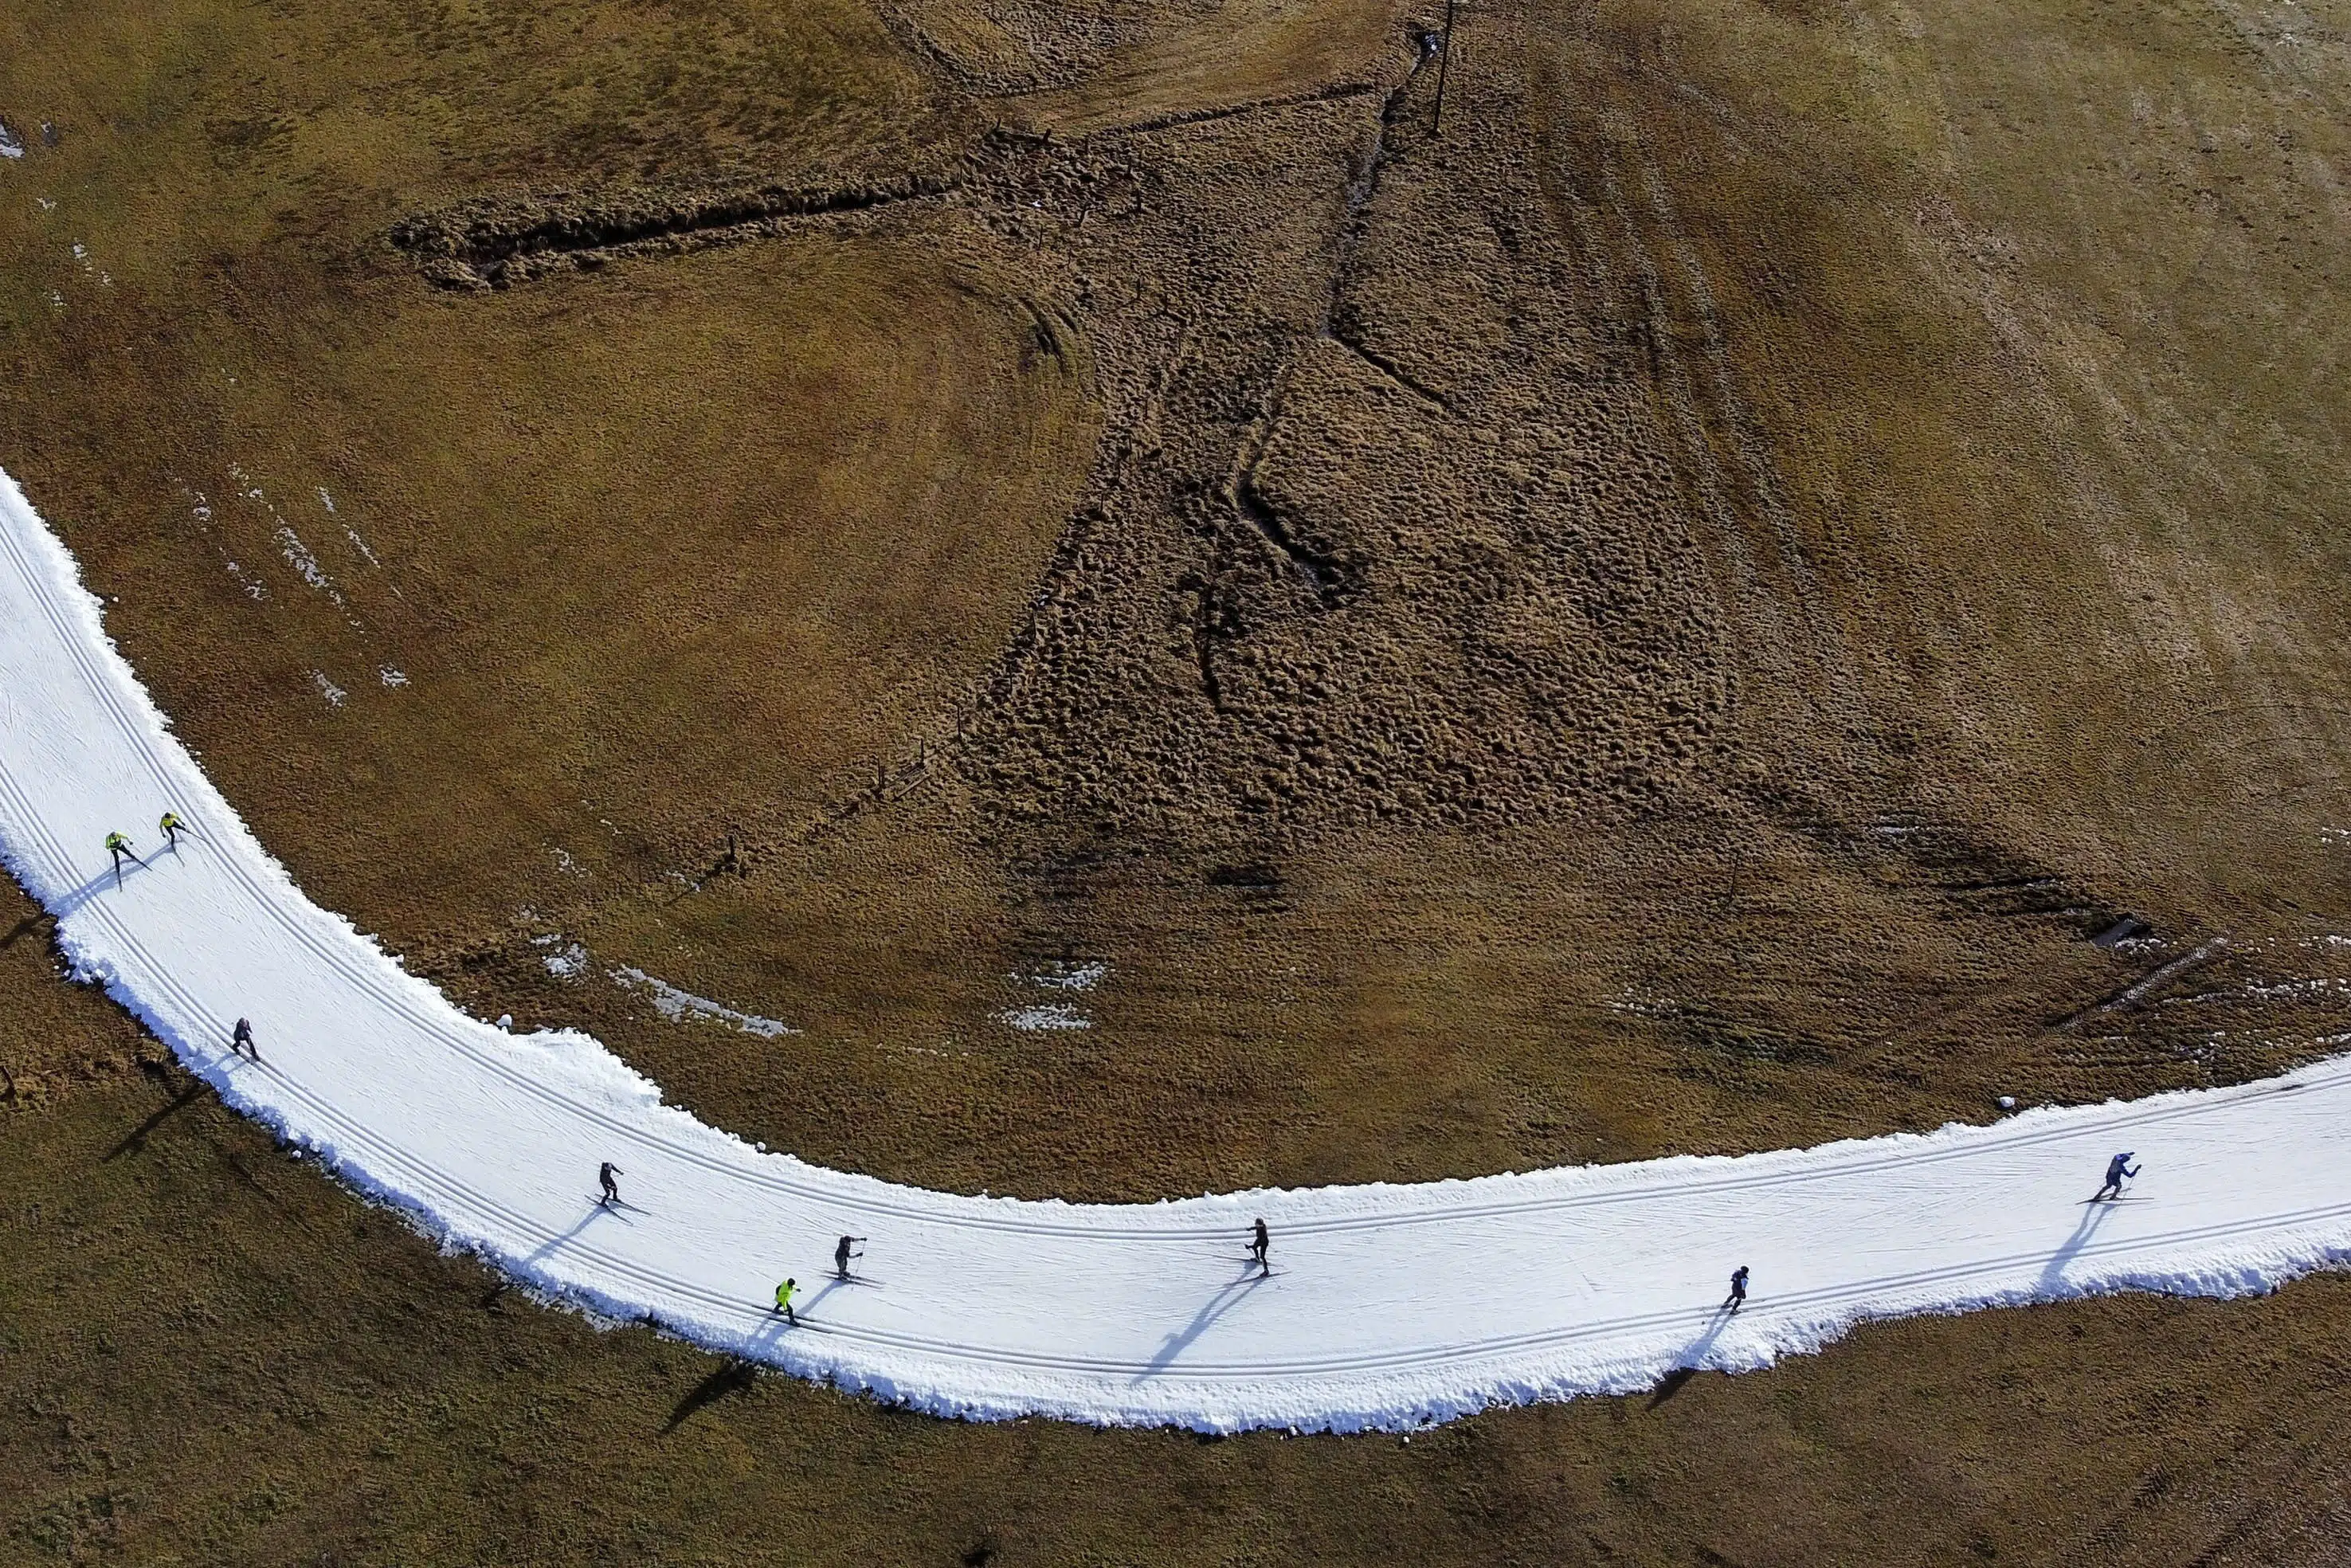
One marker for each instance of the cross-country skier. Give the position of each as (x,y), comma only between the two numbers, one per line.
(173,828)
(1737,1297)
(2117,1169)
(841,1255)
(1260,1240)
(604,1175)
(240,1039)
(784,1301)
(118,846)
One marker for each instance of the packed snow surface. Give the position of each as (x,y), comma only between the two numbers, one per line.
(1387,1305)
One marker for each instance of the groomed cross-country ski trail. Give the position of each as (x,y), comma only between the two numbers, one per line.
(1391,1305)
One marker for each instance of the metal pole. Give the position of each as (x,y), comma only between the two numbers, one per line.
(1444,58)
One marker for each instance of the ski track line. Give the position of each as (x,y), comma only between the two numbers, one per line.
(1394,1305)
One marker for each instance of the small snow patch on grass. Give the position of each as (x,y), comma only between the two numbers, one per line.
(1064,975)
(1639,1004)
(1050,1015)
(328,689)
(677,1006)
(2292,990)
(567,964)
(297,556)
(1070,975)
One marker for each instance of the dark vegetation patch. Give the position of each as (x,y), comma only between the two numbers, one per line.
(492,241)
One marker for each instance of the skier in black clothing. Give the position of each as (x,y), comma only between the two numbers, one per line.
(1737,1297)
(604,1175)
(1260,1240)
(2118,1169)
(240,1039)
(841,1255)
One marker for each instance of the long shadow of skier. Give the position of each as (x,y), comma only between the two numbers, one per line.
(1671,1384)
(136,1139)
(829,1287)
(1691,1361)
(555,1244)
(25,927)
(1223,1301)
(734,1375)
(94,886)
(768,1335)
(2093,1215)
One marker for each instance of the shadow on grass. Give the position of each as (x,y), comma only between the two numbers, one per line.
(1671,1384)
(732,1376)
(137,1138)
(25,927)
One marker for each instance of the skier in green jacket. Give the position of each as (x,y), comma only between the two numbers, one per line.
(173,828)
(784,1301)
(118,846)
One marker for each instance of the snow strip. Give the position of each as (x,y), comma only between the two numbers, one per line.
(1050,1016)
(677,1005)
(1390,1305)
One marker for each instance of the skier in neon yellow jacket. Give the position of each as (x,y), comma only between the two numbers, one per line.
(118,846)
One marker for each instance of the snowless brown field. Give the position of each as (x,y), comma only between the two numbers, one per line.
(1776,575)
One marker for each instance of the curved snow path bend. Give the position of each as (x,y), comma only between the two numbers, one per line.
(1391,1305)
